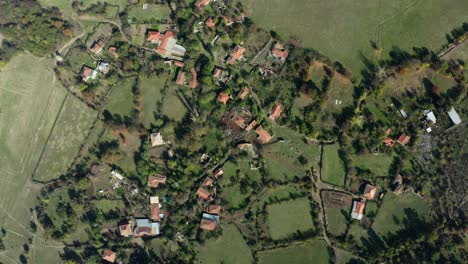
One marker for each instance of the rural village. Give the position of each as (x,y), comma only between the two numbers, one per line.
(203,132)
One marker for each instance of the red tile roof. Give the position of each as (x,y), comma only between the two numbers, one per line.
(109,256)
(180,78)
(210,22)
(360,207)
(201,3)
(236,54)
(179,64)
(217,73)
(155,181)
(162,46)
(214,209)
(155,211)
(369,192)
(276,112)
(86,72)
(208,224)
(228,20)
(203,193)
(125,230)
(404,139)
(154,36)
(263,136)
(218,172)
(283,54)
(113,52)
(97,46)
(389,142)
(193,82)
(251,125)
(239,121)
(223,97)
(245,91)
(208,182)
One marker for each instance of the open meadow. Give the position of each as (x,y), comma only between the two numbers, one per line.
(151,88)
(333,170)
(70,130)
(377,164)
(314,251)
(392,212)
(286,218)
(229,248)
(334,29)
(28,108)
(119,102)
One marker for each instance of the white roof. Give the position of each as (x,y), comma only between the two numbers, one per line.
(117,175)
(154,199)
(428,130)
(430,116)
(157,139)
(454,116)
(403,113)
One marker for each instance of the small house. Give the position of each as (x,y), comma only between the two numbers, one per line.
(209,22)
(369,192)
(146,228)
(208,182)
(218,173)
(403,139)
(201,3)
(157,139)
(153,36)
(155,181)
(108,256)
(203,194)
(430,116)
(263,136)
(209,221)
(276,112)
(88,73)
(389,142)
(125,229)
(243,93)
(358,210)
(251,125)
(180,78)
(103,67)
(97,46)
(236,54)
(113,52)
(168,46)
(223,97)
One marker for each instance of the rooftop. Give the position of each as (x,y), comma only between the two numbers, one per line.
(276,112)
(223,97)
(454,116)
(369,192)
(203,193)
(156,139)
(155,181)
(109,256)
(358,210)
(236,54)
(263,136)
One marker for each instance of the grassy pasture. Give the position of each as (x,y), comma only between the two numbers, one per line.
(342,30)
(288,217)
(28,108)
(119,101)
(237,169)
(392,211)
(151,89)
(71,128)
(106,205)
(229,248)
(234,197)
(378,164)
(332,166)
(315,251)
(336,221)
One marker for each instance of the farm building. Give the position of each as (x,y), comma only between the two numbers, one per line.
(358,210)
(369,192)
(263,136)
(157,140)
(454,116)
(403,139)
(209,221)
(168,46)
(430,116)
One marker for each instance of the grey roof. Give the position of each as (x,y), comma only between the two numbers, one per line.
(454,116)
(210,217)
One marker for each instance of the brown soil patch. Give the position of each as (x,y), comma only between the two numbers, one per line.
(333,199)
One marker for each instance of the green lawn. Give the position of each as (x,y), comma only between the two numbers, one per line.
(403,23)
(151,89)
(120,99)
(28,108)
(377,164)
(336,220)
(340,94)
(106,205)
(357,232)
(333,170)
(233,196)
(288,217)
(71,129)
(229,248)
(315,251)
(77,58)
(391,213)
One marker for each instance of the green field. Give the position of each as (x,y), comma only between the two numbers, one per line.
(151,89)
(172,106)
(393,208)
(333,170)
(71,128)
(315,251)
(377,164)
(230,248)
(233,196)
(153,12)
(28,107)
(282,157)
(334,29)
(336,221)
(286,218)
(106,205)
(119,101)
